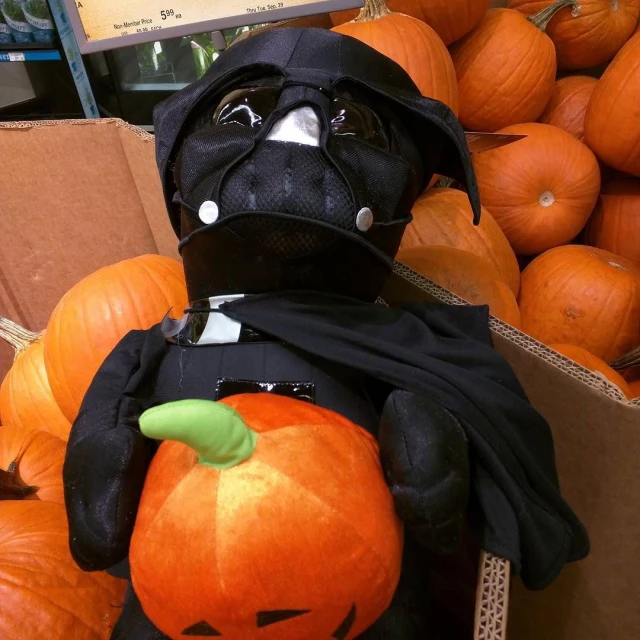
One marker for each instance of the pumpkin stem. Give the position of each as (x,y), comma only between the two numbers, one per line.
(373,10)
(542,18)
(12,487)
(444,183)
(216,432)
(18,337)
(631,359)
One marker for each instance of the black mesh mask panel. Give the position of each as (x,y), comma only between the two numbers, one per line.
(288,178)
(380,180)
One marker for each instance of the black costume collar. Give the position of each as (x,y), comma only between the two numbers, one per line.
(204,324)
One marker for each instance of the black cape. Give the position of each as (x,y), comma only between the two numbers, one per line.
(446,353)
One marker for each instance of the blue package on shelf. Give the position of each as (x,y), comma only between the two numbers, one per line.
(13,12)
(5,31)
(37,15)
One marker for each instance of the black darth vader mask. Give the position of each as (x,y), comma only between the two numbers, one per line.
(295,162)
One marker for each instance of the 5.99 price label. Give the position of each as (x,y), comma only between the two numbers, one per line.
(166,14)
(103,20)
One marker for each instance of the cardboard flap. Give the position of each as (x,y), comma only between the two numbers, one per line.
(139,149)
(72,203)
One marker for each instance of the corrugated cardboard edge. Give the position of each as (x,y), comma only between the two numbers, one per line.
(522,340)
(141,133)
(492,604)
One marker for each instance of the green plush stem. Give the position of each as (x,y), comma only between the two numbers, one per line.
(216,432)
(542,18)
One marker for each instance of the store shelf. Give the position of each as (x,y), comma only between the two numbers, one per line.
(25,55)
(26,46)
(154,86)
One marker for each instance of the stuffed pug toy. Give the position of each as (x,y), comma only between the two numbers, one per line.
(289,173)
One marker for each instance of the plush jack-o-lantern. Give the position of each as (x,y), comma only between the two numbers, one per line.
(263,517)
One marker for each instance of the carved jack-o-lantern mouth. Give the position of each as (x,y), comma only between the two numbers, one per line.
(267,618)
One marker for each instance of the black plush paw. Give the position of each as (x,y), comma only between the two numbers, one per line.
(133,624)
(424,454)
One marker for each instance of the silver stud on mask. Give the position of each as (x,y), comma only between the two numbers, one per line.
(208,212)
(364,220)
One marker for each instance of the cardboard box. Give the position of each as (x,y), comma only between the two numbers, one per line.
(78,195)
(597,439)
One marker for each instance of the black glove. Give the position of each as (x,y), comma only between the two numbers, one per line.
(424,455)
(107,457)
(133,623)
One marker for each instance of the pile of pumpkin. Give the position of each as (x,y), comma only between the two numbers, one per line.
(43,593)
(563,203)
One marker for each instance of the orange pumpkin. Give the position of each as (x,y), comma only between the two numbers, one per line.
(44,593)
(593,363)
(583,296)
(411,43)
(589,34)
(542,189)
(30,465)
(634,389)
(467,275)
(26,399)
(444,217)
(612,124)
(615,223)
(95,314)
(568,105)
(262,509)
(450,19)
(506,69)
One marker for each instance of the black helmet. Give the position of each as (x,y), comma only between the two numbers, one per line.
(295,163)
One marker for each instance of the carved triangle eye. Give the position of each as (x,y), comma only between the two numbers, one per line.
(343,630)
(266,618)
(202,629)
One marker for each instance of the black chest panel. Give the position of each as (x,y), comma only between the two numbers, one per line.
(212,372)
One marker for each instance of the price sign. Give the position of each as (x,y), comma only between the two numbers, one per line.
(110,24)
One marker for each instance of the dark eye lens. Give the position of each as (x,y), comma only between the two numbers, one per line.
(357,120)
(247,107)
